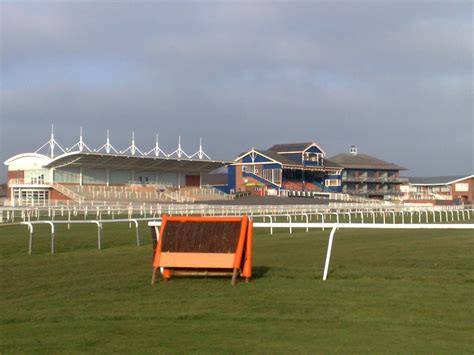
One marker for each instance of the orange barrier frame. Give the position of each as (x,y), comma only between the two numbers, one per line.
(212,264)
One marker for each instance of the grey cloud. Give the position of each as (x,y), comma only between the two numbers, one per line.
(393,78)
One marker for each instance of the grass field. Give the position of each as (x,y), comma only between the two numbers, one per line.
(387,292)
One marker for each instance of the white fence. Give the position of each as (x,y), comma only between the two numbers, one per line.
(98,223)
(366,212)
(355,216)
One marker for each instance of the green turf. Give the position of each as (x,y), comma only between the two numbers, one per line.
(387,292)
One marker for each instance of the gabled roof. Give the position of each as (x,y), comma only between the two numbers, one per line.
(278,157)
(364,161)
(291,147)
(295,147)
(282,159)
(438,180)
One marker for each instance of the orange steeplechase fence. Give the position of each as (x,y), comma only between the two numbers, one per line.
(203,246)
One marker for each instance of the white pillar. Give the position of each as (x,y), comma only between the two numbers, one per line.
(80,176)
(108,176)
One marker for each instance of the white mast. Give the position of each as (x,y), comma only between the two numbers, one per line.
(179,152)
(51,143)
(133,148)
(80,145)
(200,153)
(107,146)
(156,150)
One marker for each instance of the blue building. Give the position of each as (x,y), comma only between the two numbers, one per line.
(285,167)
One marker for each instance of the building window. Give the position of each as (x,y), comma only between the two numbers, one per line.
(248,169)
(332,182)
(315,157)
(462,187)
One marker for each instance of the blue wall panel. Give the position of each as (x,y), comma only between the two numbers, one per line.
(258,159)
(313,150)
(231,177)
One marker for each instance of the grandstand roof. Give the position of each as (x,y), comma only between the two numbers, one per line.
(437,180)
(364,161)
(116,161)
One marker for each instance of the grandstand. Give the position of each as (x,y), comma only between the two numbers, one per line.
(284,169)
(106,174)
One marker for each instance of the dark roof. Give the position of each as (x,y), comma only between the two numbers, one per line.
(215,179)
(291,147)
(278,157)
(363,161)
(330,164)
(436,180)
(287,161)
(115,161)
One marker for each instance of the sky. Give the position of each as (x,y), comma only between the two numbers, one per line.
(394,78)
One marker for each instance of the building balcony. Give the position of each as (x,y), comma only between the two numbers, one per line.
(375,179)
(28,183)
(366,192)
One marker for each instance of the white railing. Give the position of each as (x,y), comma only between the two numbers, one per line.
(365,212)
(32,181)
(67,192)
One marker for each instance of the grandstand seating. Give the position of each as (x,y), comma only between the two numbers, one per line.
(298,186)
(134,193)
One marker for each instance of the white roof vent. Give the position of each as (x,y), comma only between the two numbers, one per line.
(353,150)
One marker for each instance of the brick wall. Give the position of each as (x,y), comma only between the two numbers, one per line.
(56,195)
(466,196)
(15,174)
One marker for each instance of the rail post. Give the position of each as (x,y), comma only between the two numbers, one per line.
(328,253)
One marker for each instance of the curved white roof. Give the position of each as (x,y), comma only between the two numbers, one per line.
(27,161)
